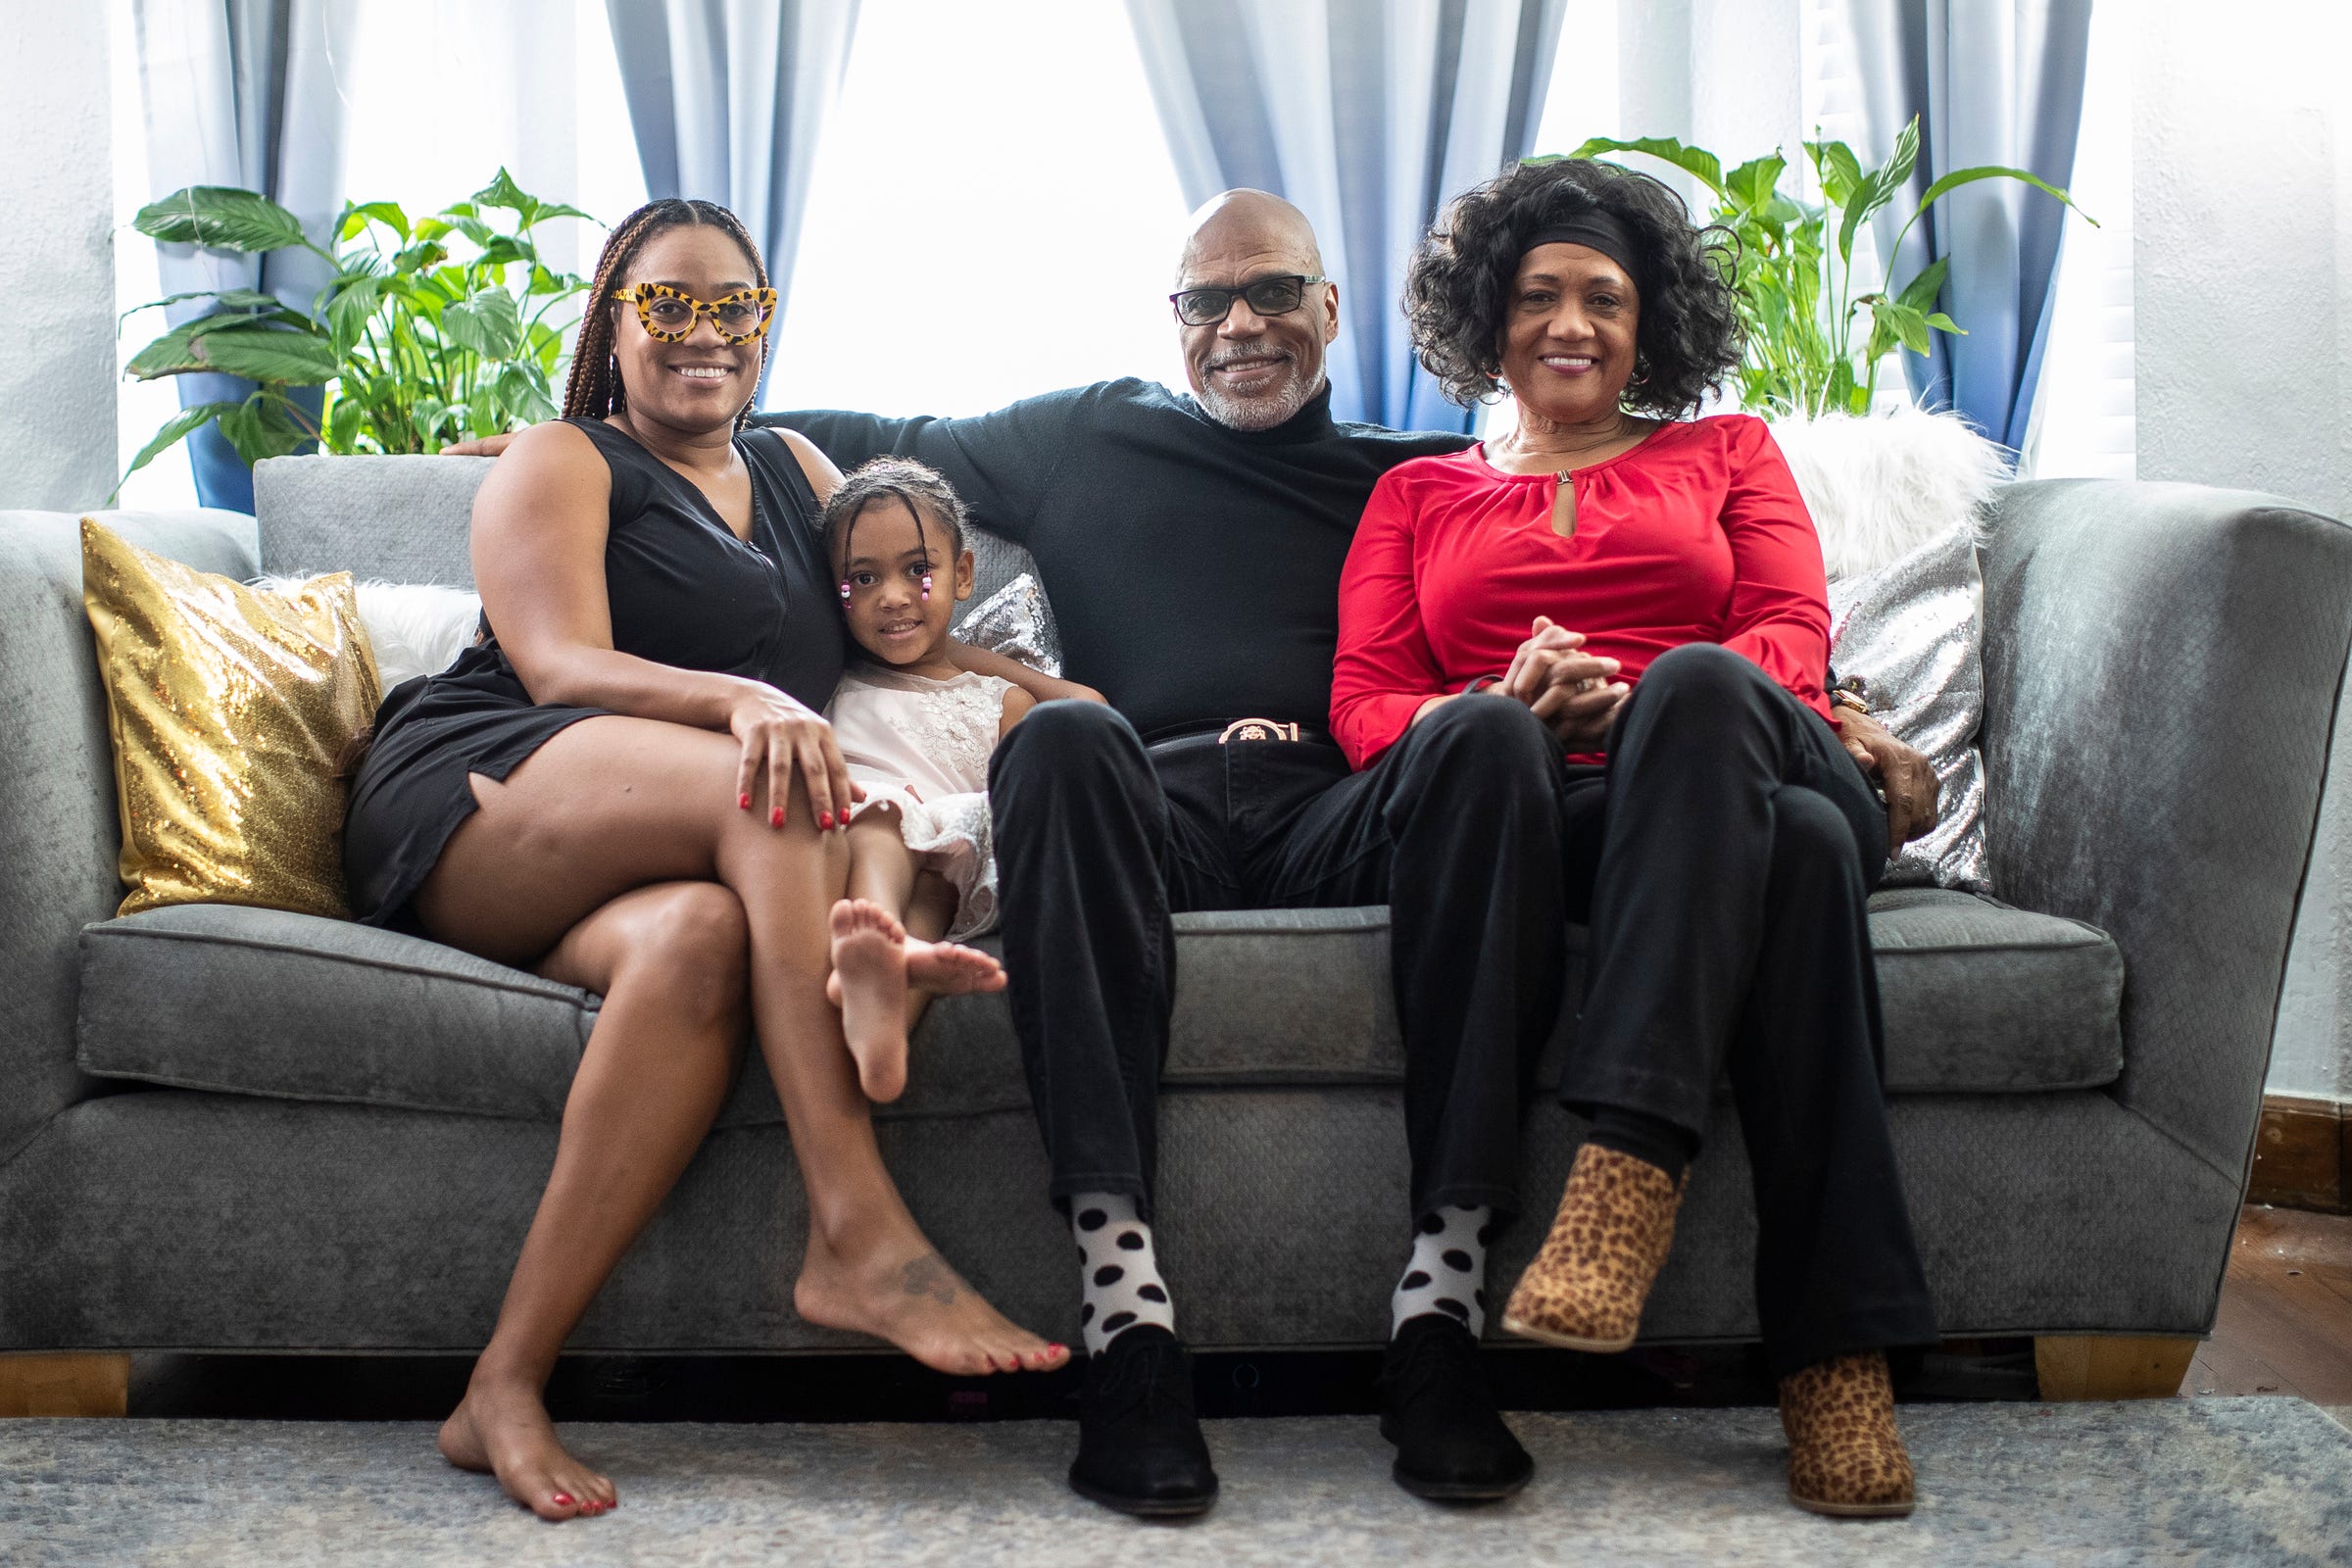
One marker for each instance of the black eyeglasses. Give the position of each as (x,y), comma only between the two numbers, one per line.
(1267,296)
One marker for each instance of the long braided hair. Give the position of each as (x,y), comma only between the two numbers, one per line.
(595,390)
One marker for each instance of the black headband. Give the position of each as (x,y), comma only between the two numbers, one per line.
(1596,231)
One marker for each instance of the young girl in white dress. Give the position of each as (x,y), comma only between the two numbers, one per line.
(917,732)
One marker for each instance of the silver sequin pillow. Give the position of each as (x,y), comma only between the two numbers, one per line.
(1015,622)
(1911,631)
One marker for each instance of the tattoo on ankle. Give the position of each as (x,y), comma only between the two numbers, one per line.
(929,1275)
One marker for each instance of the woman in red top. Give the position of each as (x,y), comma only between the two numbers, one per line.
(1648,588)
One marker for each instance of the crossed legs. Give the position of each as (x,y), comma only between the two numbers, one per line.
(616,858)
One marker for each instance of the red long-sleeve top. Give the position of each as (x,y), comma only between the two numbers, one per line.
(1696,535)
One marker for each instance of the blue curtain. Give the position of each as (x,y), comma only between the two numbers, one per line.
(243,92)
(727,98)
(1369,115)
(1993,81)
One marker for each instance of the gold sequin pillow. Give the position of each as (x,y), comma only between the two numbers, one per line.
(229,709)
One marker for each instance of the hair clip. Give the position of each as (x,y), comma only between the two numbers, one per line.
(845,590)
(926,587)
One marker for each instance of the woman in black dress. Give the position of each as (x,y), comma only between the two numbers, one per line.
(628,788)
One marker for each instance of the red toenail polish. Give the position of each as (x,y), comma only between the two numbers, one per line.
(564,1497)
(775,817)
(743,802)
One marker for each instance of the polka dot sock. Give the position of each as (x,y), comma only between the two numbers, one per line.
(1447,1271)
(1123,1287)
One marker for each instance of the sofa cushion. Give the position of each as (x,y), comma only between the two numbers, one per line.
(1979,999)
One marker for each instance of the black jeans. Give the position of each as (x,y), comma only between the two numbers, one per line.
(1723,861)
(1457,828)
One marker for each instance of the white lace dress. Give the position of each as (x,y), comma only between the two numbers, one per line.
(922,746)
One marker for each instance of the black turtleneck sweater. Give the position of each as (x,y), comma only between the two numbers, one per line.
(1193,569)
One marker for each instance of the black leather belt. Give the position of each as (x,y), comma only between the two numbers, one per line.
(1238,730)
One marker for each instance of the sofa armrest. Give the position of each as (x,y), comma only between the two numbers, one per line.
(59,831)
(2162,669)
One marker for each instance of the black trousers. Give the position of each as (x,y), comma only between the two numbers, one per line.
(1723,860)
(1457,828)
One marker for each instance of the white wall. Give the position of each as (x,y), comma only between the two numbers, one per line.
(57,367)
(2242,200)
(2242,264)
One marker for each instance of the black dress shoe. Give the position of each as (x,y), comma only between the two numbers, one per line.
(1138,1442)
(1439,1410)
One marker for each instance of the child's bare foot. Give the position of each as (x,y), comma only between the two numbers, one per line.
(950,969)
(868,984)
(902,1291)
(500,1427)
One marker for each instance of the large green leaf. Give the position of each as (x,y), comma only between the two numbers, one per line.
(228,299)
(1753,183)
(173,354)
(1969,176)
(421,256)
(263,428)
(1920,293)
(268,353)
(522,388)
(1695,161)
(1839,169)
(220,216)
(1878,187)
(504,193)
(489,324)
(348,314)
(193,417)
(344,421)
(389,214)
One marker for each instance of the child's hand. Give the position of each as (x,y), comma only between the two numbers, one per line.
(779,735)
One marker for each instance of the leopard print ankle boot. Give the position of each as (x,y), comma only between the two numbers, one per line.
(1586,1288)
(1845,1455)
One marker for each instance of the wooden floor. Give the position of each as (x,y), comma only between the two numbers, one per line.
(2285,1324)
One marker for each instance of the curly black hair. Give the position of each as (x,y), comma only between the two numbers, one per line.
(1459,284)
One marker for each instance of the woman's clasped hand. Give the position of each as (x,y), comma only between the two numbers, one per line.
(1566,686)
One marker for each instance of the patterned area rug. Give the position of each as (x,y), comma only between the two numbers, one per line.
(2223,1481)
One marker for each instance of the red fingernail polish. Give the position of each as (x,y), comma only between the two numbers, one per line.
(824,820)
(743,802)
(775,817)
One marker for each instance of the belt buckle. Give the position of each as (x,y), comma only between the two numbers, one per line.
(1257,729)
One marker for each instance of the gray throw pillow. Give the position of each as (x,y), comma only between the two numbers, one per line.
(1911,631)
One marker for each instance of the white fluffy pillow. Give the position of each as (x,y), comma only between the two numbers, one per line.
(414,628)
(1880,487)
(1897,500)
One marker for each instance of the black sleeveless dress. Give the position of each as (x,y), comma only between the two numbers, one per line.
(684,591)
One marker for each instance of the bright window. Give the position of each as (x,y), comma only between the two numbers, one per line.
(994,213)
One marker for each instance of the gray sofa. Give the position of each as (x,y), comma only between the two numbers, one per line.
(226,1129)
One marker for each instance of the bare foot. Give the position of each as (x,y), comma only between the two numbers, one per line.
(952,969)
(502,1428)
(868,984)
(905,1292)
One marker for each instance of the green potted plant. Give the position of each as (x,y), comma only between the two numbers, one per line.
(1809,351)
(426,332)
